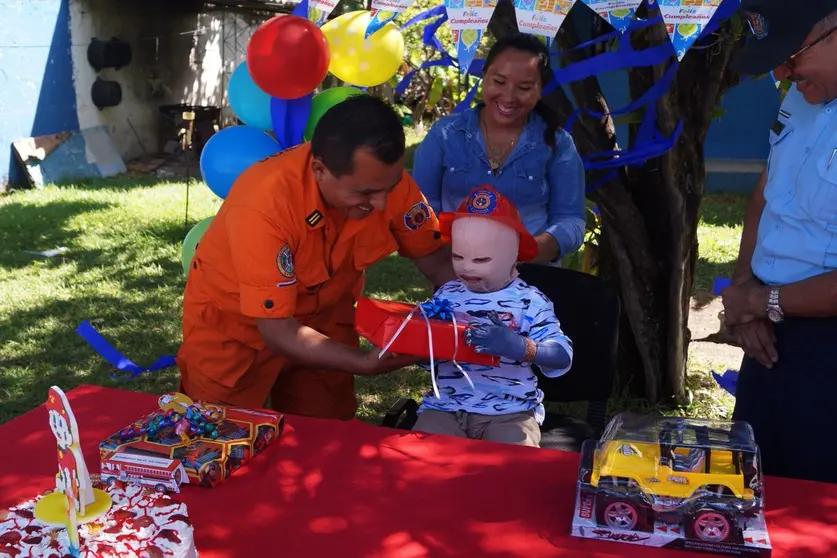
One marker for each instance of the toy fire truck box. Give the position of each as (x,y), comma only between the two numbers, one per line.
(675,483)
(211,442)
(379,321)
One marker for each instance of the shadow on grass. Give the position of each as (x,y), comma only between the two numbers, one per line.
(39,227)
(723,210)
(126,183)
(396,278)
(47,351)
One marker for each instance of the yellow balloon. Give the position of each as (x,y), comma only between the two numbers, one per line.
(359,61)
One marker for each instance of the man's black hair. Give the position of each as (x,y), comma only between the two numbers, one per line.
(361,121)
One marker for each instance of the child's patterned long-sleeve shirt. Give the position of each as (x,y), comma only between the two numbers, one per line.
(510,387)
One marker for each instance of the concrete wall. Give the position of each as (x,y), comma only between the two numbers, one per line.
(36,75)
(176,58)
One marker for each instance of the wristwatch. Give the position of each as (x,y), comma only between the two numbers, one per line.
(774,311)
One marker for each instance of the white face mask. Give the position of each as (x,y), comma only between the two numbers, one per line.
(484,253)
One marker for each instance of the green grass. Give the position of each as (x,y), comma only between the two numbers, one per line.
(122,271)
(719,233)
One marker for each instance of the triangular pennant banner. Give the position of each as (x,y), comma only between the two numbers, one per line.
(685,19)
(542,18)
(468,20)
(319,10)
(618,13)
(384,11)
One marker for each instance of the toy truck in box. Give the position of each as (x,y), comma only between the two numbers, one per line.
(695,479)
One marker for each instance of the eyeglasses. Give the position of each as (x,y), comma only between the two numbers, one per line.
(790,61)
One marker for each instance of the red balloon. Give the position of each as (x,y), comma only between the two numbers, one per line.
(288,56)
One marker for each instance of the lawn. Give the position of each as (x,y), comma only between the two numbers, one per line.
(121,270)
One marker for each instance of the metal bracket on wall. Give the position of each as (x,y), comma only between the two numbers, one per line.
(106,93)
(115,53)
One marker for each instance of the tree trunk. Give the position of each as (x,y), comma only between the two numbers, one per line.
(649,213)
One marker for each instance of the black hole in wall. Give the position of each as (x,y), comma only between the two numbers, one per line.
(106,93)
(115,53)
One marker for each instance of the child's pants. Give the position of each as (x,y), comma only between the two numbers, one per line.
(514,428)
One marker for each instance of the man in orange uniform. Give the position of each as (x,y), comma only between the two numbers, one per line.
(269,302)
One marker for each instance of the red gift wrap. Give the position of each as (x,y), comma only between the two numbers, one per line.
(379,320)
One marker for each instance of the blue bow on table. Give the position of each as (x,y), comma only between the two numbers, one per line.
(438,308)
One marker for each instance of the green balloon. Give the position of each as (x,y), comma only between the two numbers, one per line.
(190,243)
(325,100)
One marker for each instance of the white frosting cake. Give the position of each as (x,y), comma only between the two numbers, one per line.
(141,523)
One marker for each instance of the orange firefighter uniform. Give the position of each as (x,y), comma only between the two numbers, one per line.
(274,250)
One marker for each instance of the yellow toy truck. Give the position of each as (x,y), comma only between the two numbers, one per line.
(698,474)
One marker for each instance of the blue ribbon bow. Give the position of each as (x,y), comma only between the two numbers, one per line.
(438,308)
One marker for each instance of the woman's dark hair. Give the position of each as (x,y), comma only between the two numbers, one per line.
(534,46)
(361,121)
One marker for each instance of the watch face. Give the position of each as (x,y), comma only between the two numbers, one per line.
(774,315)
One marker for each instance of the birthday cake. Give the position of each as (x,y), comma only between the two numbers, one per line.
(140,522)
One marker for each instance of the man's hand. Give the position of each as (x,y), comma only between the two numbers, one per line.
(758,341)
(744,303)
(496,339)
(370,365)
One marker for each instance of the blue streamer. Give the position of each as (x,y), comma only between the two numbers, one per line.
(117,359)
(725,11)
(719,284)
(728,380)
(427,14)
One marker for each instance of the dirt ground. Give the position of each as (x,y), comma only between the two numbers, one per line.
(710,346)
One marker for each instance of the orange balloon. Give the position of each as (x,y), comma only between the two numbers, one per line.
(288,56)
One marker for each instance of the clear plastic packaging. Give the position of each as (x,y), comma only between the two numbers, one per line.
(673,482)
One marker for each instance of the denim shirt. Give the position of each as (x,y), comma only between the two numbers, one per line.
(546,186)
(797,234)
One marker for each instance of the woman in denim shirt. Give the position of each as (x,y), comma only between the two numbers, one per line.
(512,142)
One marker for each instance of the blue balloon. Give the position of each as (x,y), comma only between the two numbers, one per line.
(249,103)
(290,117)
(230,152)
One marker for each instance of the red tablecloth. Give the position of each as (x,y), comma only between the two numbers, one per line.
(350,489)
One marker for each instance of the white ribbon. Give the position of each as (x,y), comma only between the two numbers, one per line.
(398,331)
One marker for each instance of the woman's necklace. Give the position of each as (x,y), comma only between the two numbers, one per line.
(496,154)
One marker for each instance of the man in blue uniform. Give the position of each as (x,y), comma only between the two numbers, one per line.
(782,305)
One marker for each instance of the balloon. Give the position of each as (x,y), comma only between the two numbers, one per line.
(249,103)
(230,152)
(368,62)
(288,56)
(324,101)
(190,243)
(289,119)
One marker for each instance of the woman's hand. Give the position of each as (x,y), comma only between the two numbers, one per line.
(548,249)
(496,339)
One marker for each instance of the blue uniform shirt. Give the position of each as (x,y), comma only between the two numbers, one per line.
(797,235)
(546,186)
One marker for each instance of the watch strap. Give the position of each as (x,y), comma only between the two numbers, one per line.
(531,350)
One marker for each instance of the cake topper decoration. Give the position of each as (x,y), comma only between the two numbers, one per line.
(75,500)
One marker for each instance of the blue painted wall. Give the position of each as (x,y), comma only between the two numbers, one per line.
(37,96)
(741,132)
